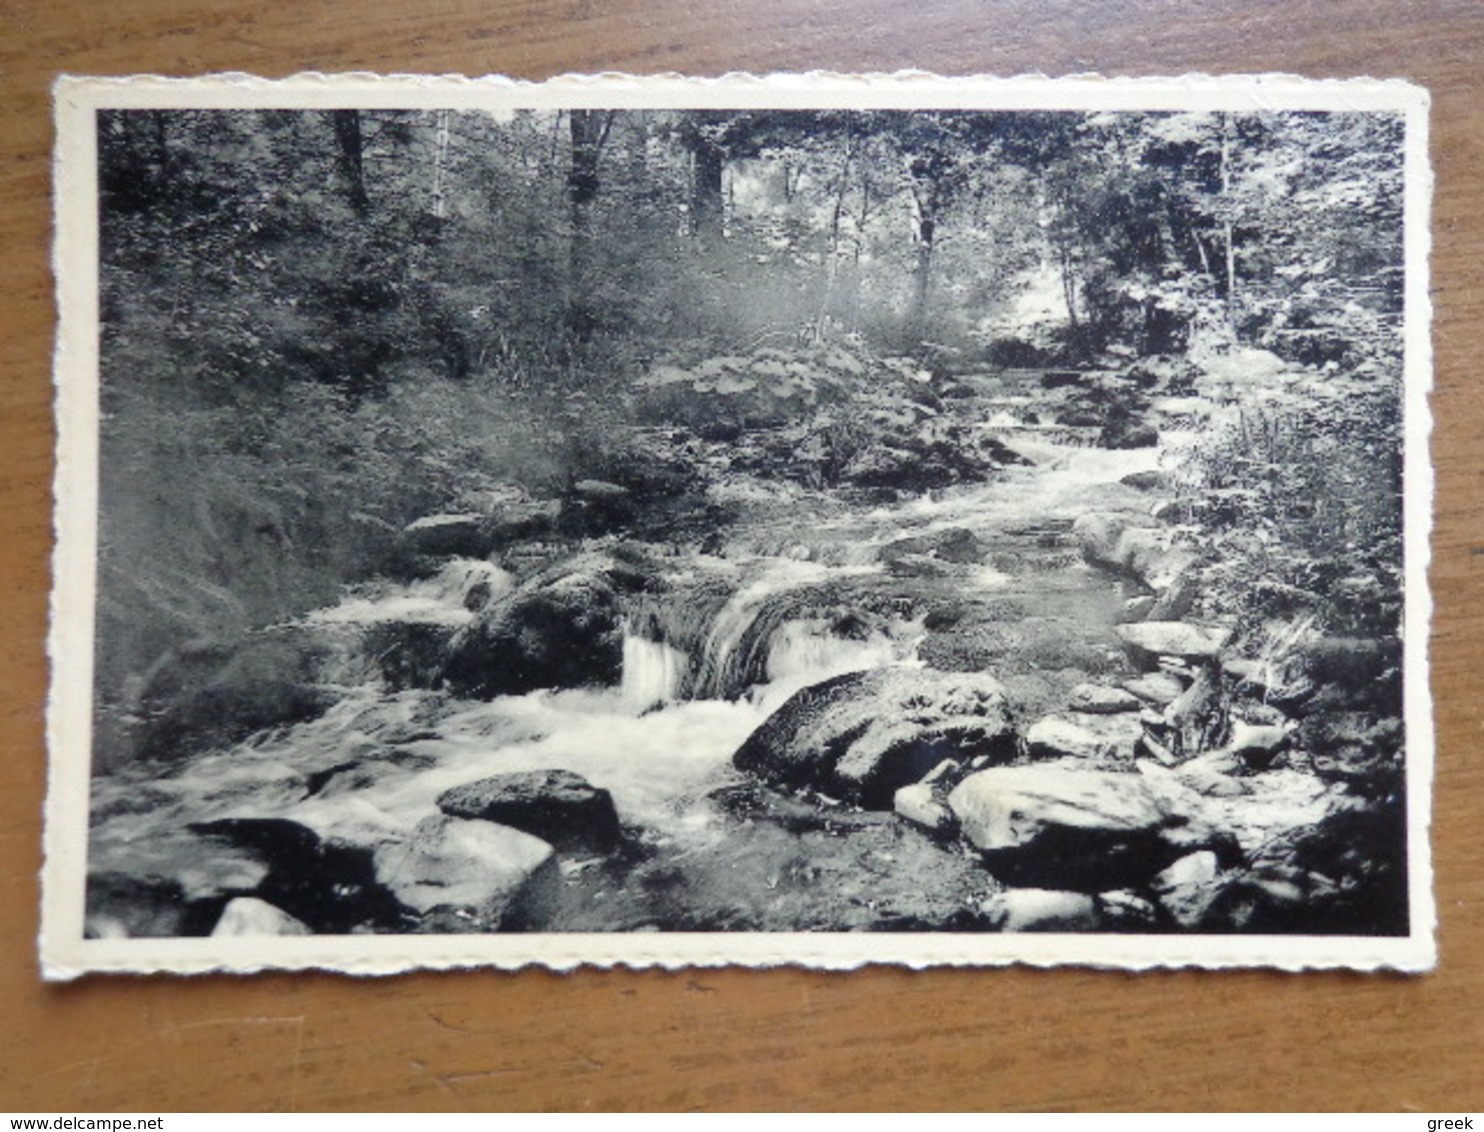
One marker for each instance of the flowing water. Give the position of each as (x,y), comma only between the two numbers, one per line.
(798,596)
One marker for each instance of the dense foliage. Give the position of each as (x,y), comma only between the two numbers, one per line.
(318,326)
(1295,505)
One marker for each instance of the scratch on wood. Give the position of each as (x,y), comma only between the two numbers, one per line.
(443,1025)
(172,1028)
(583,1059)
(448,1081)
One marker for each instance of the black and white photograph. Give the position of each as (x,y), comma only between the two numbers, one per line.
(801,521)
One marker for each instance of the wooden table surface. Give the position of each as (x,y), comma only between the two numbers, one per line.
(782,1039)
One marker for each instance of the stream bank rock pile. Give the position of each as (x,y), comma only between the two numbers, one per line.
(490,859)
(1205,779)
(1230,782)
(1181,800)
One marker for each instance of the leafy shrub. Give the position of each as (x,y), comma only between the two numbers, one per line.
(1296,505)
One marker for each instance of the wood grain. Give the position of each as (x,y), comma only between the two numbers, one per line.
(882,1038)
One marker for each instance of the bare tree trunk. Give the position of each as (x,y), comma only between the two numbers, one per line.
(858,246)
(707,199)
(1063,245)
(832,265)
(440,165)
(922,268)
(347,125)
(1231,252)
(1069,291)
(589,130)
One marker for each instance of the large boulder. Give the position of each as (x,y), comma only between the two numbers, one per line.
(1149,480)
(555,805)
(520,520)
(508,515)
(1127,432)
(447,536)
(474,874)
(562,629)
(924,457)
(1147,641)
(1062,826)
(1132,544)
(595,507)
(864,735)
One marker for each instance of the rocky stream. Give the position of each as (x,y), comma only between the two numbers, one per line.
(773,676)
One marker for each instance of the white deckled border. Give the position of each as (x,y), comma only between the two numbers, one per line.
(65,954)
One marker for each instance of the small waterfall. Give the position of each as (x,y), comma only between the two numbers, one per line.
(470,582)
(397,634)
(805,652)
(450,597)
(653,672)
(732,653)
(796,623)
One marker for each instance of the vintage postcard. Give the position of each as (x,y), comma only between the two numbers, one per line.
(806,519)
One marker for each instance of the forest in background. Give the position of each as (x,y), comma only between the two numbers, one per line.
(319,326)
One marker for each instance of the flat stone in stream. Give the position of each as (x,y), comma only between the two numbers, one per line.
(447,536)
(1041,910)
(920,805)
(471,875)
(864,735)
(1108,738)
(557,806)
(247,915)
(1100,699)
(1147,641)
(1157,688)
(1062,826)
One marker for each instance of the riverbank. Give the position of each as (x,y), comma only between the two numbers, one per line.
(1055,745)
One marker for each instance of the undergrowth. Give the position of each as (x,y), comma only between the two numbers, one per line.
(1295,505)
